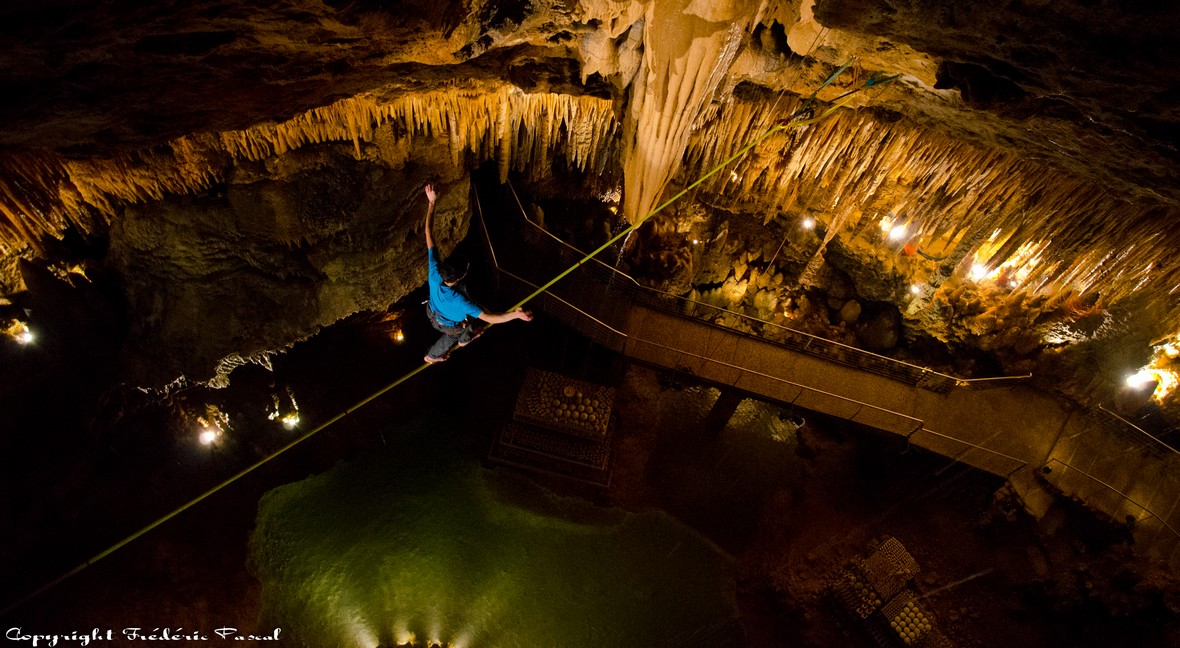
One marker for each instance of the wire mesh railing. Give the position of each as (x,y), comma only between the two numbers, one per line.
(1128,505)
(1010,464)
(1112,423)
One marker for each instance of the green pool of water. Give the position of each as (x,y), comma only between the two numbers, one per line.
(414,543)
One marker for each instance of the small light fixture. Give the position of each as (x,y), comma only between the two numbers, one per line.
(978,271)
(897,233)
(399,337)
(291,420)
(808,223)
(213,425)
(209,435)
(695,242)
(733,176)
(916,289)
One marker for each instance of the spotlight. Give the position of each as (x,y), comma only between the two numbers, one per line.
(17,330)
(290,421)
(213,424)
(916,289)
(399,337)
(1142,378)
(695,242)
(897,233)
(978,271)
(808,223)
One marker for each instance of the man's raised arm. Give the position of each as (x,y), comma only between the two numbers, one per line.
(430,196)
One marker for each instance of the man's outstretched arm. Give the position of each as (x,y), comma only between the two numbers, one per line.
(500,318)
(430,196)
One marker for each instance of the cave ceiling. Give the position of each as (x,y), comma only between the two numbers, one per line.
(1036,127)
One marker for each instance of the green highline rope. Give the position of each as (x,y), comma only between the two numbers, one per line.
(122,543)
(125,541)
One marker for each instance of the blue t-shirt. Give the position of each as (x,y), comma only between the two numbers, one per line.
(448,304)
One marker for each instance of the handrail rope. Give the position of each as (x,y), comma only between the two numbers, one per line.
(958,458)
(487,236)
(1145,433)
(740,368)
(1118,492)
(921,427)
(632,282)
(293,443)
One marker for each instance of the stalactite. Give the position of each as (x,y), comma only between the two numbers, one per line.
(851,168)
(43,194)
(941,187)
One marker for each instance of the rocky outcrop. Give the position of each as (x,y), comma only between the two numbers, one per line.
(238,274)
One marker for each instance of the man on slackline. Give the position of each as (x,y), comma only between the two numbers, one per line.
(450,310)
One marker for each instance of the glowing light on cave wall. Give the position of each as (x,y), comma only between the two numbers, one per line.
(1165,366)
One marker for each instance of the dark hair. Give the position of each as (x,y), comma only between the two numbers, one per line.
(453,269)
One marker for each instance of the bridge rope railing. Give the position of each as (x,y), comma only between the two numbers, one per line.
(1146,441)
(1107,487)
(568,312)
(614,337)
(773,332)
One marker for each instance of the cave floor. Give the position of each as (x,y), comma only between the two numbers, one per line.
(790,508)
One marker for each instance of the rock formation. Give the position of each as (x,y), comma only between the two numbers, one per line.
(250,172)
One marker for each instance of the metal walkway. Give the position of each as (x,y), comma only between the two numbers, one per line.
(1001,426)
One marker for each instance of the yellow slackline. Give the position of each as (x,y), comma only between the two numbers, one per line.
(202,496)
(125,541)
